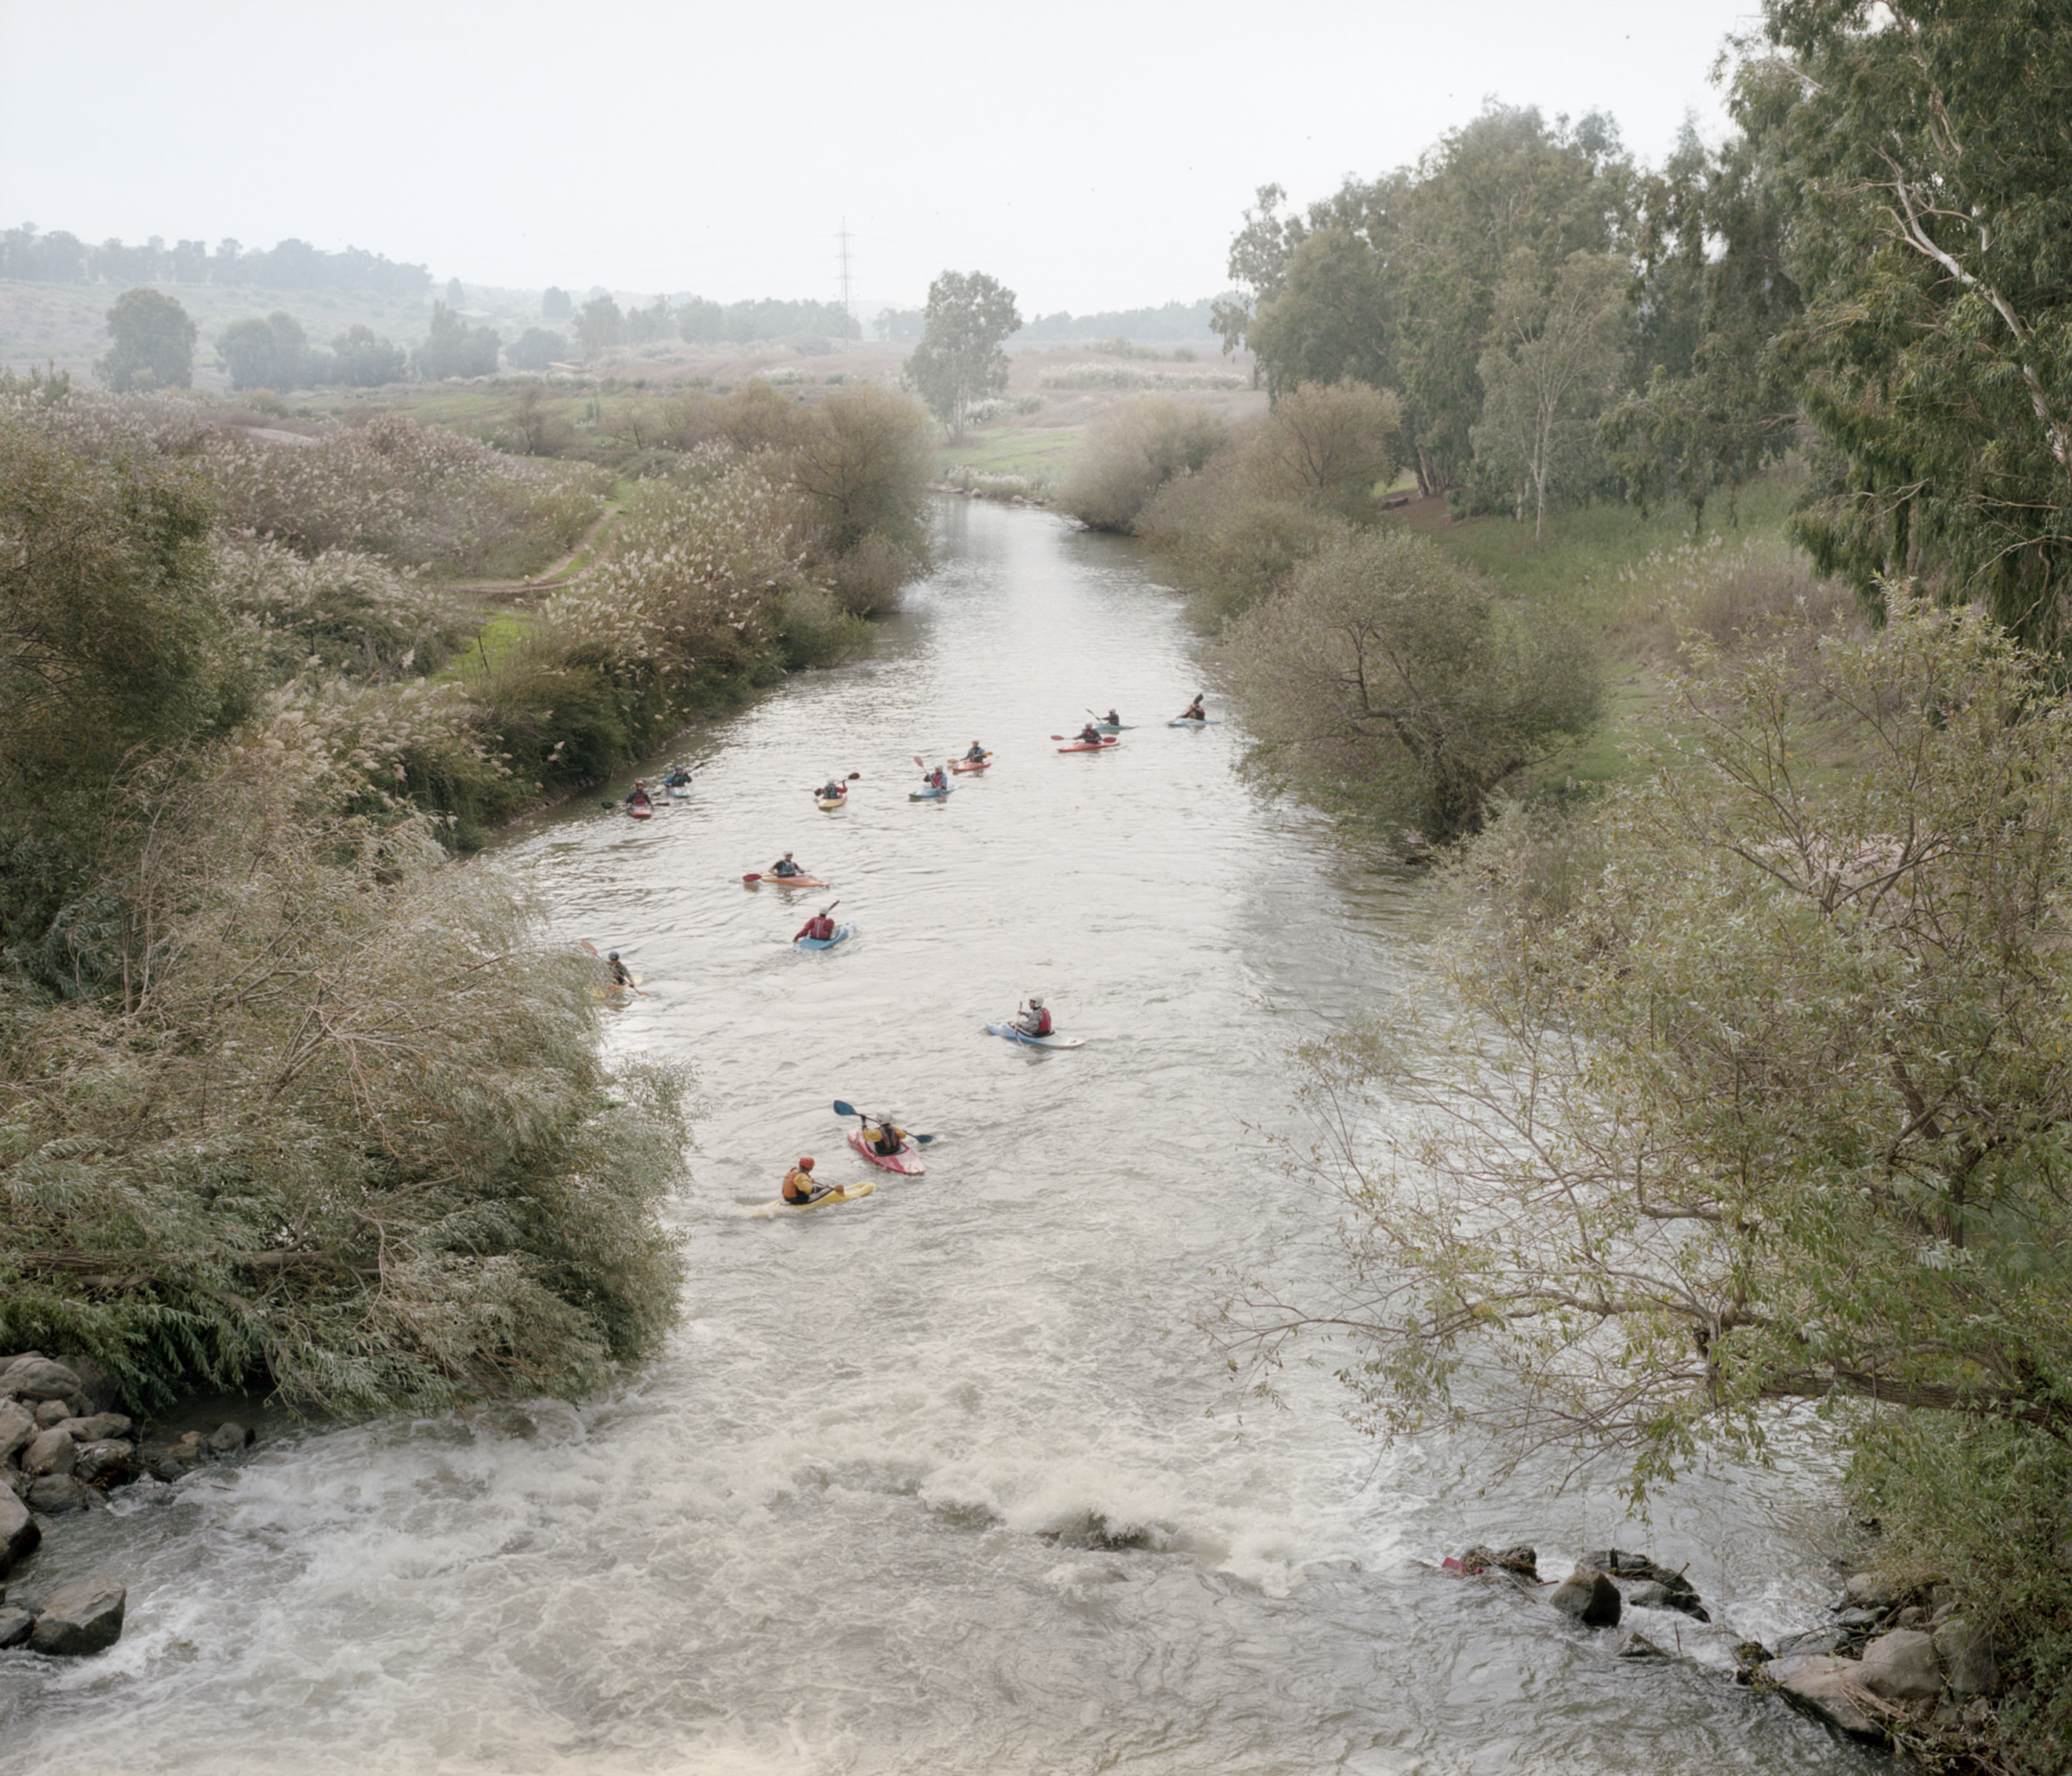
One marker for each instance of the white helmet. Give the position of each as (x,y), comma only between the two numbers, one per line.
(1036,1002)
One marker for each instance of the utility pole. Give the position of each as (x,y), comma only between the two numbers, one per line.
(848,311)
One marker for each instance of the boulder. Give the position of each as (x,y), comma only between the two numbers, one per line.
(1815,1640)
(1901,1666)
(99,1427)
(1589,1596)
(95,1385)
(1663,1597)
(79,1619)
(1827,1687)
(39,1378)
(1519,1559)
(230,1436)
(1868,1591)
(19,1533)
(51,1452)
(55,1493)
(108,1461)
(17,1425)
(1966,1654)
(14,1627)
(52,1413)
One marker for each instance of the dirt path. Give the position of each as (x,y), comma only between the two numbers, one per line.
(562,572)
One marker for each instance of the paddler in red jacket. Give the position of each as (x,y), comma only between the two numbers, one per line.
(819,926)
(1034,1020)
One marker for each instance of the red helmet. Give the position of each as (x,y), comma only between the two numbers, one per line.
(806,1164)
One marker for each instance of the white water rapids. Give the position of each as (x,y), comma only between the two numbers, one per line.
(944,1481)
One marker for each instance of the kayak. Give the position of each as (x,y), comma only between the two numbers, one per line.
(843,931)
(898,1162)
(841,1193)
(983,764)
(830,802)
(1086,745)
(1114,727)
(636,811)
(1015,1035)
(681,792)
(932,794)
(785,882)
(1195,721)
(613,993)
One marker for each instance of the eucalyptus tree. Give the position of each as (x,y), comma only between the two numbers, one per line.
(961,357)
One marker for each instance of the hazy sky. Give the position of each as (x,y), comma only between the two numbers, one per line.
(1091,155)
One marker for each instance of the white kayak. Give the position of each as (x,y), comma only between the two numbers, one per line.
(1027,1041)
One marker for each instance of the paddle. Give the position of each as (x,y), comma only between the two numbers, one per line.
(592,950)
(852,777)
(843,1109)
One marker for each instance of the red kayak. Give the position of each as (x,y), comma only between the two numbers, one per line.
(906,1160)
(637,812)
(1082,746)
(983,764)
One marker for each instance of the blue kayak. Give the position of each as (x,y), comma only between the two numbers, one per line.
(931,793)
(1188,721)
(843,932)
(1027,1041)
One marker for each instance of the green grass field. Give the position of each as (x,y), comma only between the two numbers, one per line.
(1040,454)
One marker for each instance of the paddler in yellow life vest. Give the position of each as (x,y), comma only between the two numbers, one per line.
(886,1139)
(799,1181)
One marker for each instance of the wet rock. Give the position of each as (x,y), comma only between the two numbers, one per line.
(109,1461)
(39,1378)
(1966,1654)
(1827,1687)
(169,1465)
(81,1619)
(230,1436)
(1638,1646)
(1751,1656)
(14,1627)
(55,1493)
(15,1481)
(1518,1558)
(1589,1596)
(1860,1618)
(51,1451)
(1901,1666)
(51,1413)
(17,1426)
(19,1533)
(1663,1597)
(1868,1591)
(1816,1640)
(100,1427)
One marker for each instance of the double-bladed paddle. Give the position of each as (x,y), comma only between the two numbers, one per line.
(843,1109)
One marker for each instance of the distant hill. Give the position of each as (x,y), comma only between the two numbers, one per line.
(29,256)
(1174,321)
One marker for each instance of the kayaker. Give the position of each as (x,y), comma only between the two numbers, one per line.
(819,926)
(1193,711)
(621,975)
(886,1141)
(799,1181)
(784,866)
(1091,736)
(676,778)
(833,791)
(1034,1020)
(1114,721)
(976,755)
(640,798)
(935,779)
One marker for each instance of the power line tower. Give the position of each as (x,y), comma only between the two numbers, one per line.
(849,308)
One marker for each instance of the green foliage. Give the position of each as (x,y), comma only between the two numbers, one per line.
(960,359)
(453,348)
(1333,316)
(862,459)
(600,324)
(154,348)
(1130,453)
(1931,231)
(1334,445)
(1384,671)
(537,349)
(364,359)
(274,353)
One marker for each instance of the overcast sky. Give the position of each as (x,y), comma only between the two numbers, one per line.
(1091,155)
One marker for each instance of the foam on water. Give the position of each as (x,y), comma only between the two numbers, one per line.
(944,1480)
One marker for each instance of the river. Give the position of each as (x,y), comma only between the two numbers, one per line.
(945,1480)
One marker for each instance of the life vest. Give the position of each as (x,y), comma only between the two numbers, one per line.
(798,1186)
(1042,1022)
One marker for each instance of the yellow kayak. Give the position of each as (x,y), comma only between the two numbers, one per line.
(831,803)
(841,1193)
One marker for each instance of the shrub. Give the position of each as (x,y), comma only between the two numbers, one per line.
(1228,544)
(1131,453)
(1335,444)
(342,612)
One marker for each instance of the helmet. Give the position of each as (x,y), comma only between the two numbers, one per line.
(806,1162)
(787,853)
(613,957)
(1036,1002)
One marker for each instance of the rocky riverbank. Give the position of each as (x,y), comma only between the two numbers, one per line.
(63,1447)
(1902,1667)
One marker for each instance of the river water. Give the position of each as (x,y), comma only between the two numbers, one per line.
(945,1480)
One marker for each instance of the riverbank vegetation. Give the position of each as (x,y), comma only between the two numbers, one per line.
(1747,1090)
(290,1099)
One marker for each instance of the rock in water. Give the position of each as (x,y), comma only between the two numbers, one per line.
(110,1460)
(14,1627)
(57,1493)
(1590,1597)
(81,1619)
(40,1380)
(18,1532)
(52,1452)
(1823,1684)
(17,1427)
(1901,1666)
(229,1436)
(1967,1655)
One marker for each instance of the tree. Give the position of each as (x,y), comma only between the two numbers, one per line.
(1755,1089)
(959,359)
(1333,444)
(1334,317)
(537,349)
(861,459)
(648,326)
(274,353)
(556,304)
(1384,666)
(1552,356)
(455,349)
(1131,452)
(153,347)
(365,361)
(456,297)
(599,325)
(1931,234)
